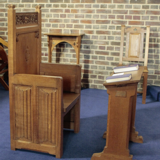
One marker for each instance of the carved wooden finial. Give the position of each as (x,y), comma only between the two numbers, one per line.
(11,6)
(38,7)
(135,29)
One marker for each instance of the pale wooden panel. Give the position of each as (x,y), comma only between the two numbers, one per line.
(23,115)
(134,45)
(47,105)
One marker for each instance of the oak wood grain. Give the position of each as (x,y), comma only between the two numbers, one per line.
(121,119)
(135,39)
(42,95)
(55,38)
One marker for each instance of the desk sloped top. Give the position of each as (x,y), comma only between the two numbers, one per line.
(136,76)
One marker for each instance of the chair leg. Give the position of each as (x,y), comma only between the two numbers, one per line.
(145,76)
(4,83)
(77,117)
(59,150)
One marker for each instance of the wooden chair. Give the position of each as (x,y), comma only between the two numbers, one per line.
(135,38)
(3,65)
(44,97)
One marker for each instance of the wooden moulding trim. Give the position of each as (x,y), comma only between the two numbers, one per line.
(36,34)
(133,59)
(135,30)
(72,43)
(35,147)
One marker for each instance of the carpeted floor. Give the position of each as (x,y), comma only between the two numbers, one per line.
(89,140)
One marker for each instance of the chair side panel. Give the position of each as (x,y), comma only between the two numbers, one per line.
(36,113)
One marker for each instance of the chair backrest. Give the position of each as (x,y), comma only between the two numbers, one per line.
(24,40)
(135,41)
(3,59)
(70,73)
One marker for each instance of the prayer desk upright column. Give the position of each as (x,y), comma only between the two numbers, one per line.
(121,119)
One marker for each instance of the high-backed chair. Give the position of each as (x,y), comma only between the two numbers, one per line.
(3,65)
(44,97)
(134,50)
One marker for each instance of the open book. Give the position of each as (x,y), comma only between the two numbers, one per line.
(132,67)
(118,78)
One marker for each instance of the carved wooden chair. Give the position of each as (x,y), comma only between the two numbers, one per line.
(44,97)
(3,63)
(134,50)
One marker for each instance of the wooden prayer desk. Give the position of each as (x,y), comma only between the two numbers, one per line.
(121,119)
(55,38)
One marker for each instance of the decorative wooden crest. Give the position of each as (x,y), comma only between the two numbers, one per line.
(29,18)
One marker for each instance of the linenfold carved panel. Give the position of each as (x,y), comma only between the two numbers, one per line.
(23,116)
(26,18)
(46,115)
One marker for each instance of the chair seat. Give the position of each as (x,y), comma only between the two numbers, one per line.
(69,100)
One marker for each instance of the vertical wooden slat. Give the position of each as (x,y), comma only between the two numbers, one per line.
(54,116)
(141,45)
(49,117)
(11,53)
(38,9)
(147,45)
(29,114)
(121,46)
(127,45)
(25,115)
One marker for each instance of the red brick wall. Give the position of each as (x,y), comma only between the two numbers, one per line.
(100,20)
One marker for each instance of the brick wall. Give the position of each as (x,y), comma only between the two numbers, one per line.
(100,20)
